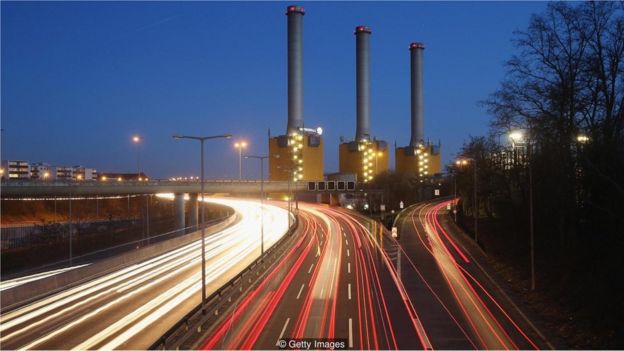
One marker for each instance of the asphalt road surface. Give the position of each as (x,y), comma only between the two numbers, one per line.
(460,305)
(335,283)
(132,307)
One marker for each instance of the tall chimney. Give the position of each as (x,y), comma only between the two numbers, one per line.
(362,81)
(295,68)
(416,53)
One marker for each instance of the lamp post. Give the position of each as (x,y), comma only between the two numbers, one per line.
(136,139)
(201,140)
(240,145)
(518,138)
(261,158)
(455,195)
(464,162)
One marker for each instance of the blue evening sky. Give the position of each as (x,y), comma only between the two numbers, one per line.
(80,78)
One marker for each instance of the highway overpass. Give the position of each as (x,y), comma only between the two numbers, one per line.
(35,188)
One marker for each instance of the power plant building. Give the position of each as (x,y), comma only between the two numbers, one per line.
(297,155)
(420,157)
(365,156)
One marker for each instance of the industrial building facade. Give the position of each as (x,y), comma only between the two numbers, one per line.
(297,155)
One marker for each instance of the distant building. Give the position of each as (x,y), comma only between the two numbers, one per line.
(15,169)
(41,170)
(64,173)
(123,177)
(83,173)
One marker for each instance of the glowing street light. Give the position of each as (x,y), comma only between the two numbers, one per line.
(240,145)
(582,139)
(46,175)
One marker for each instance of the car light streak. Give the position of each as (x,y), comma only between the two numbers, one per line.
(8,284)
(485,325)
(150,290)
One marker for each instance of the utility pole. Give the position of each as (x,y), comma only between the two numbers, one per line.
(261,158)
(476,204)
(203,214)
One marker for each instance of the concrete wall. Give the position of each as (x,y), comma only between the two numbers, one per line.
(23,294)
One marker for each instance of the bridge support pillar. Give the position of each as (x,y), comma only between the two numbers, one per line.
(193,210)
(178,204)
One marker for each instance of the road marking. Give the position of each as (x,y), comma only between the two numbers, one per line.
(310,270)
(350,333)
(349,291)
(347,241)
(322,288)
(347,252)
(300,290)
(282,333)
(349,267)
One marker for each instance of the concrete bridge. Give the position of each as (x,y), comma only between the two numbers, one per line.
(15,189)
(35,188)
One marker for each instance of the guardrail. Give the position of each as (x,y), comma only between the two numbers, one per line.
(196,315)
(28,292)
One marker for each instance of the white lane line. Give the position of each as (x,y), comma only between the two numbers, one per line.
(350,333)
(349,267)
(347,252)
(299,294)
(347,241)
(322,289)
(349,291)
(282,333)
(310,270)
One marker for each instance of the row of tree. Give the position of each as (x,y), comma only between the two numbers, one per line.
(565,89)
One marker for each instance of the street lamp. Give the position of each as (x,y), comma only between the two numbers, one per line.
(582,139)
(240,145)
(463,162)
(518,138)
(455,194)
(136,139)
(201,140)
(261,158)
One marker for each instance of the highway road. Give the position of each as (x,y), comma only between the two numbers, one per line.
(336,282)
(460,305)
(132,307)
